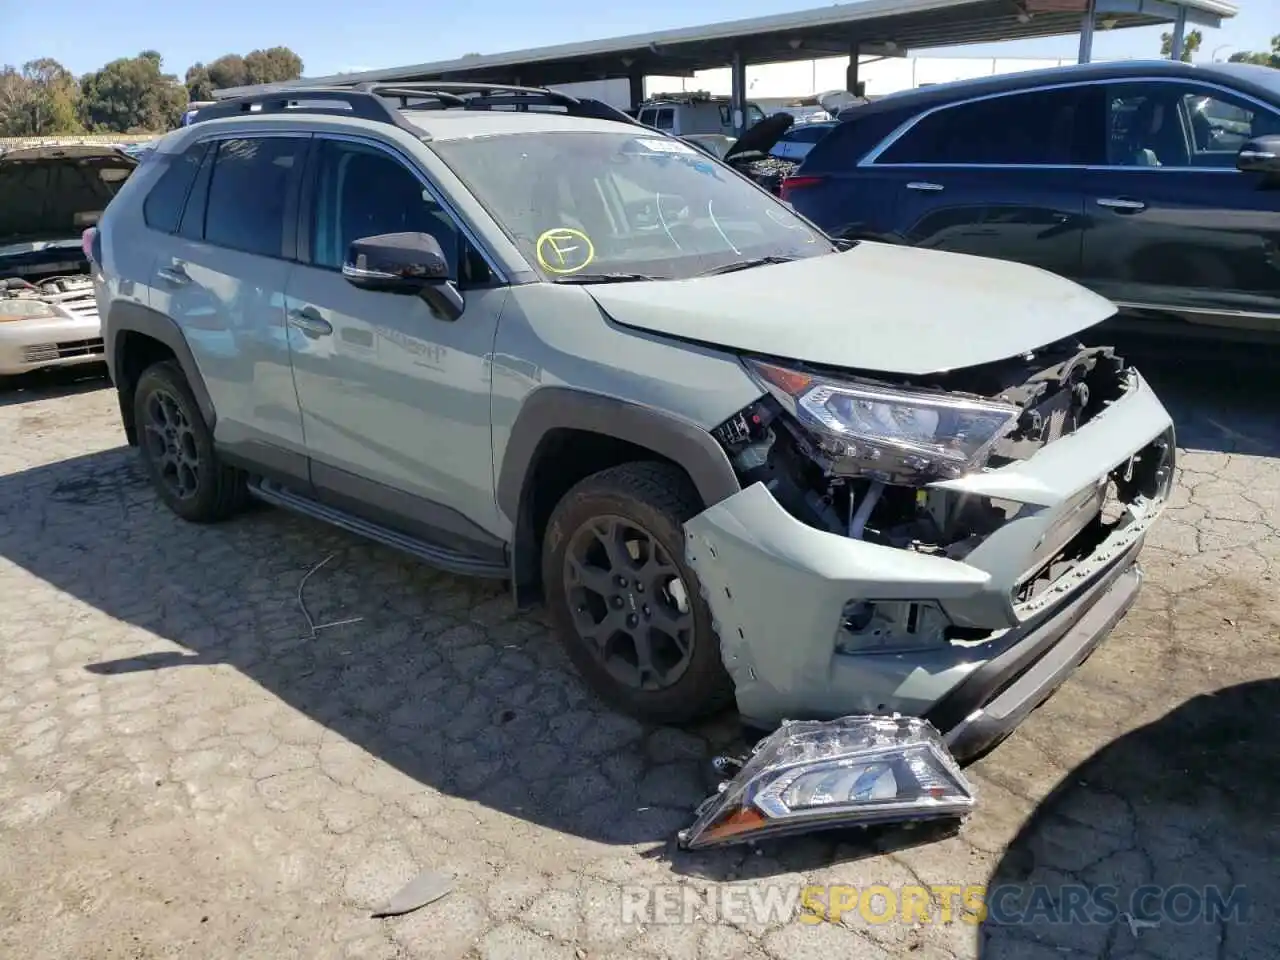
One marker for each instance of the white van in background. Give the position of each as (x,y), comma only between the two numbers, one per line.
(681,114)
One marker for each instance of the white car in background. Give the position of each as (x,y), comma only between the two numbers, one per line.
(49,195)
(796,143)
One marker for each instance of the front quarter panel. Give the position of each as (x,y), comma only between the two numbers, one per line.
(557,337)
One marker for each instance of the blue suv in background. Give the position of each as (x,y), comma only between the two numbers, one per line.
(1156,184)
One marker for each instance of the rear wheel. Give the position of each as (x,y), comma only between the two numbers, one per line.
(627,607)
(176,446)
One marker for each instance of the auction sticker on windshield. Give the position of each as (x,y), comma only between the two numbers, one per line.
(666,146)
(564,250)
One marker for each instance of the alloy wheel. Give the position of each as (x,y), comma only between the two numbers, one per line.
(629,602)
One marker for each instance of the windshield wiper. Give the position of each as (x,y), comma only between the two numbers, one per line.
(745,265)
(604,277)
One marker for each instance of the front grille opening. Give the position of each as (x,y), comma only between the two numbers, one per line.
(45,352)
(1147,476)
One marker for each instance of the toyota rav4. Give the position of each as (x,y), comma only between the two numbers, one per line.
(735,459)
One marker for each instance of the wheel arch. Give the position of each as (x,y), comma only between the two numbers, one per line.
(137,337)
(563,435)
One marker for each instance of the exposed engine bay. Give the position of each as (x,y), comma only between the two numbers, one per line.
(67,295)
(855,491)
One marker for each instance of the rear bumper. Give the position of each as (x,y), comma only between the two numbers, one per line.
(778,591)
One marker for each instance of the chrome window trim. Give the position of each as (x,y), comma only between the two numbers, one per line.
(1199,311)
(869,159)
(436,194)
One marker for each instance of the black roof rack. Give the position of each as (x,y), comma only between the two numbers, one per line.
(368,101)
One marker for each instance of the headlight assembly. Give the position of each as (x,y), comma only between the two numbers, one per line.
(817,775)
(885,433)
(19,309)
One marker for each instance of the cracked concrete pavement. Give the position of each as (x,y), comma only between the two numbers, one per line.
(184,773)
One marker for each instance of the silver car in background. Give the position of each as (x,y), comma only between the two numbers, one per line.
(49,195)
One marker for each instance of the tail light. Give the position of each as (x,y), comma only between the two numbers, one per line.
(89,243)
(791,184)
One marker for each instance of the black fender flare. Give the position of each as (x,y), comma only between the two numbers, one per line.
(558,408)
(125,317)
(563,408)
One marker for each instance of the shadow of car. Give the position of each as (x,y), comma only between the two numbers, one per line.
(1162,844)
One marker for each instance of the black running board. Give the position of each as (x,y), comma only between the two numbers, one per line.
(437,556)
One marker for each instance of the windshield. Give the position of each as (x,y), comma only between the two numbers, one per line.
(587,204)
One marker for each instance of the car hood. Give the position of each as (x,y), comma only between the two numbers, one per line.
(876,307)
(762,136)
(54,192)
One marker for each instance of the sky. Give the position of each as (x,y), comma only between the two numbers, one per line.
(335,35)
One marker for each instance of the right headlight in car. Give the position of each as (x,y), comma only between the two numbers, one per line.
(890,433)
(25,310)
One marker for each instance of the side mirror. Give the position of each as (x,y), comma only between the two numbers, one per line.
(406,263)
(1260,155)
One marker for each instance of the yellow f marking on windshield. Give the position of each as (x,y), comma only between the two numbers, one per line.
(564,250)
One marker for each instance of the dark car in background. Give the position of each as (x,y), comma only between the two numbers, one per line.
(1156,184)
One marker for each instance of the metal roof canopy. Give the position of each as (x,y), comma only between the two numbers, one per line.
(876,27)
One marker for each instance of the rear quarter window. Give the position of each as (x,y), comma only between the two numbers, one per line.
(162,209)
(852,139)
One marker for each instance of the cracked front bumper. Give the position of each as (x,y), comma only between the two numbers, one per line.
(778,589)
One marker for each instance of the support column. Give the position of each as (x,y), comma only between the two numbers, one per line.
(738,93)
(637,88)
(1179,34)
(1086,32)
(851,81)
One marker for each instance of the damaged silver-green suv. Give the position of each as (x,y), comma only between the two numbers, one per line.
(520,336)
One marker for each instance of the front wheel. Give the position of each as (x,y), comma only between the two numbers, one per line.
(176,446)
(627,607)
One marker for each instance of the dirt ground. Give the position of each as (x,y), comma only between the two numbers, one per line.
(185,772)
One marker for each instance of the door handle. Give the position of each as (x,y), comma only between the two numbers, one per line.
(925,186)
(309,321)
(175,274)
(1120,203)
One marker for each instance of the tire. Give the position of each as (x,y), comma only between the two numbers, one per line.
(631,500)
(207,491)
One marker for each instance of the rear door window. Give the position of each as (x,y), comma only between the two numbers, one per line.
(665,119)
(1031,128)
(163,207)
(252,182)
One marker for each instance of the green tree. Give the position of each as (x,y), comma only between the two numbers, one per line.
(272,65)
(233,70)
(1190,44)
(38,100)
(199,83)
(1271,59)
(132,95)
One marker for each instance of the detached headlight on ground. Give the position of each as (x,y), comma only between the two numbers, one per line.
(886,433)
(819,775)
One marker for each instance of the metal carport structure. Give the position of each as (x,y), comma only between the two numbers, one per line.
(872,27)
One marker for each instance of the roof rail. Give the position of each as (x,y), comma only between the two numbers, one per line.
(339,101)
(489,95)
(368,101)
